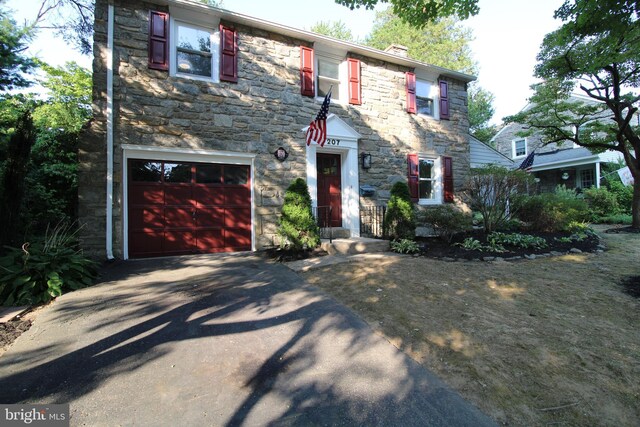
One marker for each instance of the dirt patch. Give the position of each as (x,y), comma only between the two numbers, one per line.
(632,286)
(530,342)
(10,331)
(286,255)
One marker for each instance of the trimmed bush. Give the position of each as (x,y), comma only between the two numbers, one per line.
(623,194)
(298,229)
(446,220)
(553,211)
(399,220)
(601,202)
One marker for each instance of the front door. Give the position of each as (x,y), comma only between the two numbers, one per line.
(329,190)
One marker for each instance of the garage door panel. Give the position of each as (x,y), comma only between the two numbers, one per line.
(210,217)
(208,196)
(210,240)
(146,217)
(178,216)
(152,194)
(238,239)
(178,195)
(237,218)
(146,242)
(238,196)
(178,241)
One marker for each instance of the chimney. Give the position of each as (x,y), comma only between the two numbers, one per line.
(397,49)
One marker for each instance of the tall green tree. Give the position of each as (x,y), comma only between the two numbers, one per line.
(480,113)
(336,29)
(419,12)
(444,43)
(597,51)
(14,64)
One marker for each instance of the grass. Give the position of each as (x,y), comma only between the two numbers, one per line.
(547,341)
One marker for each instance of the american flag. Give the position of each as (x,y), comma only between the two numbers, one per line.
(317,130)
(527,163)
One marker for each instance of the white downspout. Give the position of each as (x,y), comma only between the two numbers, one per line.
(597,174)
(109,231)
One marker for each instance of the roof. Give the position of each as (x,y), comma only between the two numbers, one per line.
(482,154)
(568,157)
(313,37)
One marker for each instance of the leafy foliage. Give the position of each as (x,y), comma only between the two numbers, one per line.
(596,50)
(490,190)
(480,113)
(405,246)
(471,244)
(298,229)
(38,272)
(601,202)
(13,62)
(553,211)
(623,194)
(399,219)
(419,12)
(446,220)
(336,29)
(518,240)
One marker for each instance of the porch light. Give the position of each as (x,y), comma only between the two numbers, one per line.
(565,175)
(366,161)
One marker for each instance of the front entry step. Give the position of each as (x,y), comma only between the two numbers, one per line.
(354,245)
(334,233)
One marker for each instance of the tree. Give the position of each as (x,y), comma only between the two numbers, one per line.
(444,43)
(13,62)
(335,29)
(480,113)
(298,229)
(419,12)
(597,50)
(71,19)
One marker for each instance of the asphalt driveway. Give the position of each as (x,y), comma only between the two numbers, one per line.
(219,340)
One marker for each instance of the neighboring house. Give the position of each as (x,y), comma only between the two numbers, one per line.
(483,155)
(554,164)
(199,118)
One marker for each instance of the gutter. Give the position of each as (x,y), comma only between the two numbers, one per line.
(109,199)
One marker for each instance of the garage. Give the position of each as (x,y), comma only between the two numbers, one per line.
(178,208)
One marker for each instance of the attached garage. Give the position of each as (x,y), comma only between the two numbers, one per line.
(180,207)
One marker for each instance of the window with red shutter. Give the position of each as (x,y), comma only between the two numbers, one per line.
(444,100)
(306,72)
(412,176)
(354,81)
(158,40)
(411,92)
(228,54)
(448,179)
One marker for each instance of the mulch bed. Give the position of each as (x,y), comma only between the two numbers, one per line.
(434,247)
(286,255)
(9,331)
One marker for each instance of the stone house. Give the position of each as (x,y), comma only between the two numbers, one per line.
(554,164)
(199,127)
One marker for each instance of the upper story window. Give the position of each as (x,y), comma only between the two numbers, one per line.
(328,77)
(424,98)
(323,71)
(519,147)
(195,51)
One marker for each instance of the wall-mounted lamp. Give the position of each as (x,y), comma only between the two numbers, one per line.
(565,175)
(366,160)
(536,179)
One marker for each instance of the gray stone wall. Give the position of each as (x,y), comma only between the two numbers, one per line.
(263,111)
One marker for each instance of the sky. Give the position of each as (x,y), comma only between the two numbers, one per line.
(508,34)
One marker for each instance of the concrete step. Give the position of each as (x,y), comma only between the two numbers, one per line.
(336,233)
(354,245)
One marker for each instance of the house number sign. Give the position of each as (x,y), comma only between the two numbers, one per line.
(331,141)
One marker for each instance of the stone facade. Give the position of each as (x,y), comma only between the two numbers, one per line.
(260,113)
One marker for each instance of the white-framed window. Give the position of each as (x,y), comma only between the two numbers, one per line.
(519,147)
(429,180)
(587,178)
(328,77)
(194,51)
(425,98)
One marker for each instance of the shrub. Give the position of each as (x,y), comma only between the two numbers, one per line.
(446,220)
(623,194)
(616,219)
(601,202)
(471,244)
(490,190)
(518,240)
(552,211)
(405,246)
(298,229)
(399,220)
(46,269)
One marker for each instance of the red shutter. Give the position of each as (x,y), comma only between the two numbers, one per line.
(354,81)
(412,176)
(411,93)
(228,54)
(158,40)
(448,179)
(306,72)
(444,100)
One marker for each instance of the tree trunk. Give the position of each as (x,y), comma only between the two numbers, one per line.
(635,204)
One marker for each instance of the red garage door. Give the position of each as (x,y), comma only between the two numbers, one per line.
(180,208)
